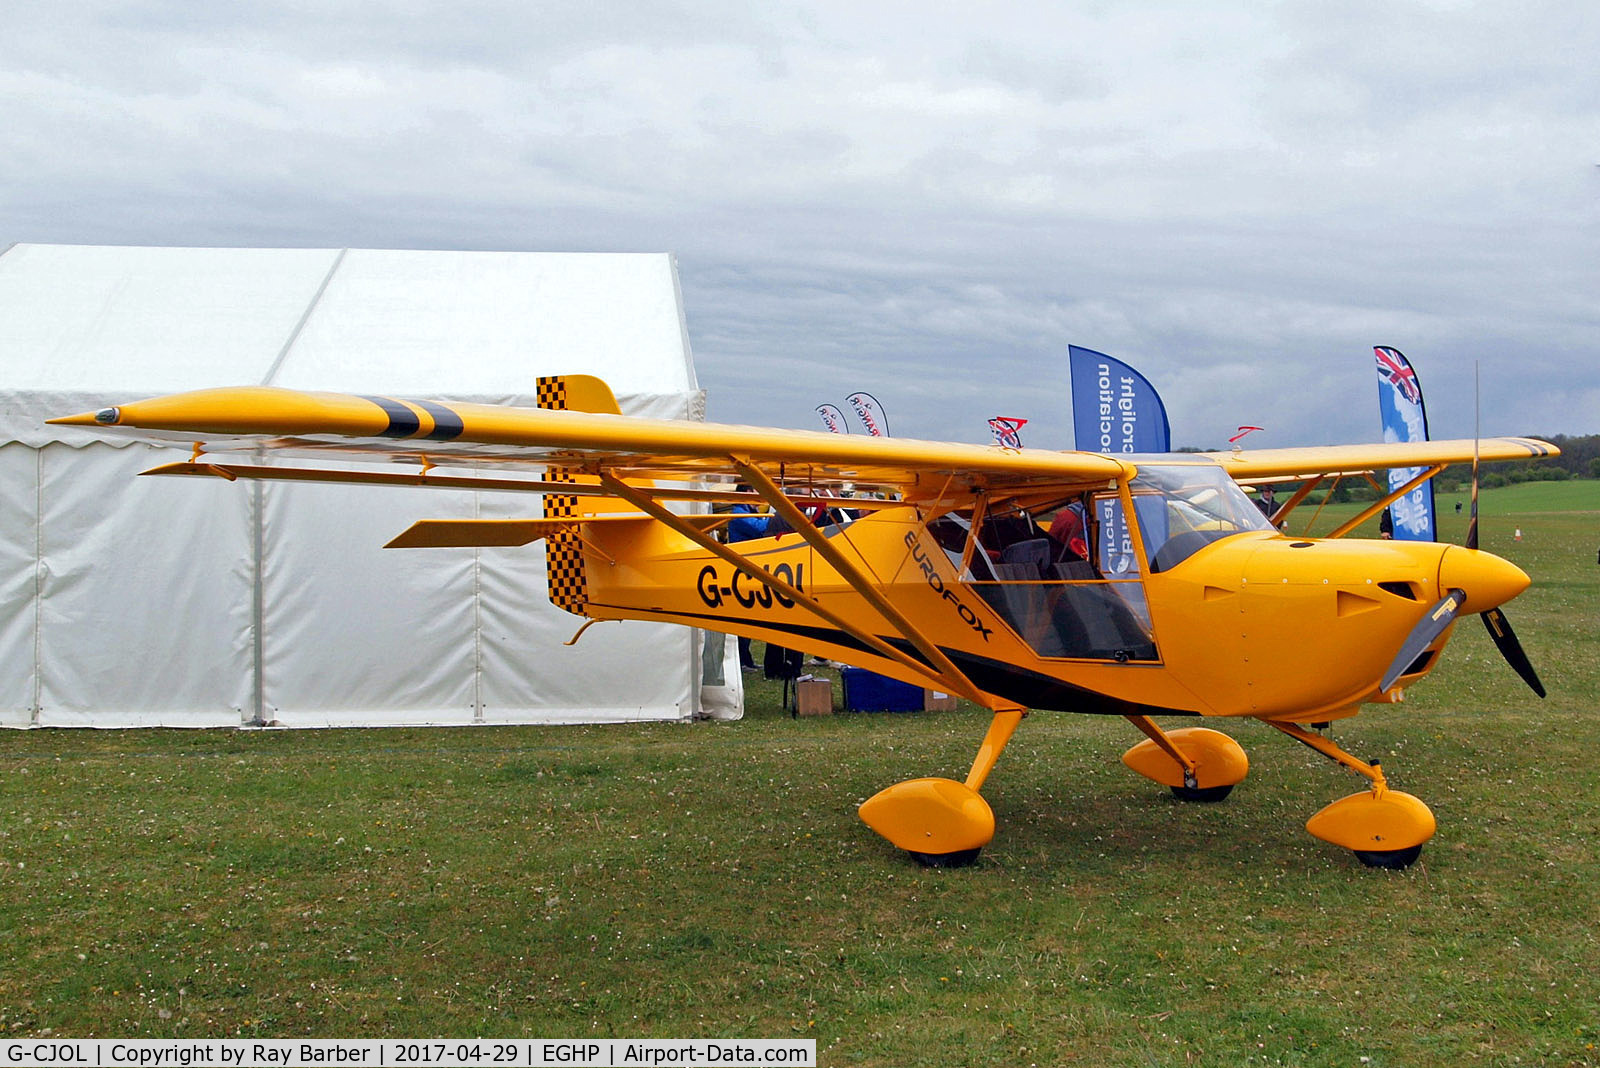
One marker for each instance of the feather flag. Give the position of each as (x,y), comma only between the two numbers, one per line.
(833,418)
(1006,431)
(870,413)
(1405,419)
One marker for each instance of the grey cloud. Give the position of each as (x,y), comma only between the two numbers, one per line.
(919,200)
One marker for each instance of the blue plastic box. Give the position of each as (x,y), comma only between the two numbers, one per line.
(867,691)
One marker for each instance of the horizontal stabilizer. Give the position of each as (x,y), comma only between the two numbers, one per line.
(472,533)
(461,533)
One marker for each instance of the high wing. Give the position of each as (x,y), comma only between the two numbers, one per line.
(432,434)
(1274,464)
(1421,460)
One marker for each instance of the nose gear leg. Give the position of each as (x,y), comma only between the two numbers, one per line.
(1384,828)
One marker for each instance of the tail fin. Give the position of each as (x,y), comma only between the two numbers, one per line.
(576,393)
(563,553)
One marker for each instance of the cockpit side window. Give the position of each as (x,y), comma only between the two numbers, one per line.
(1036,568)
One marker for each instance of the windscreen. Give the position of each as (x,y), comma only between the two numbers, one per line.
(1183,508)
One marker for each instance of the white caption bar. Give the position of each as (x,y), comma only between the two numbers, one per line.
(409,1053)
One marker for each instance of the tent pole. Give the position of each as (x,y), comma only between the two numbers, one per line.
(38,583)
(477,618)
(305,316)
(257,606)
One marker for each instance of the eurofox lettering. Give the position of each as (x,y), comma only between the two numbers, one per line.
(931,573)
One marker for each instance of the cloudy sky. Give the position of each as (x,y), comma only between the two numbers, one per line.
(928,201)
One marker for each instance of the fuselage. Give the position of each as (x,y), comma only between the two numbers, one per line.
(1247,623)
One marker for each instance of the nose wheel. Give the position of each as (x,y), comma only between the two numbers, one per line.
(1384,828)
(1389,859)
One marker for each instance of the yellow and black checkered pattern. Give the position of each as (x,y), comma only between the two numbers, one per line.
(551,392)
(563,553)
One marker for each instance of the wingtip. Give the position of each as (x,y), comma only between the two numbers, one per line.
(84,419)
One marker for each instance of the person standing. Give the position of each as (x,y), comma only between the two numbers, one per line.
(747,527)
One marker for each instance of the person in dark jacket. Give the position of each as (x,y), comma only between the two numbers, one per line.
(748,527)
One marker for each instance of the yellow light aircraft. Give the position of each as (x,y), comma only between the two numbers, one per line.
(1133,586)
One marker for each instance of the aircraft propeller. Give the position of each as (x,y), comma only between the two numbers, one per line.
(1505,639)
(1441,614)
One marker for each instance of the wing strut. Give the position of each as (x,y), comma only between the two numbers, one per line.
(681,525)
(1283,510)
(949,675)
(341,476)
(1385,502)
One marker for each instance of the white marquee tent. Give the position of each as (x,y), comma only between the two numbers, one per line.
(141,601)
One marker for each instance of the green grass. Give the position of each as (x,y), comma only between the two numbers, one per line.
(712,879)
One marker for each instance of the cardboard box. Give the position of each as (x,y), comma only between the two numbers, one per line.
(813,697)
(934,701)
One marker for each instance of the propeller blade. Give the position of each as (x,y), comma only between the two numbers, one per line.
(1505,639)
(1472,521)
(1422,635)
(1472,516)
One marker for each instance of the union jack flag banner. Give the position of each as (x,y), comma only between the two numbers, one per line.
(1394,369)
(1404,419)
(1005,431)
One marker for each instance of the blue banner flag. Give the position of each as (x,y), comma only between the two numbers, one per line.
(1114,408)
(1404,419)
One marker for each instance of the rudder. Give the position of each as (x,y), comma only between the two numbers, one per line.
(563,553)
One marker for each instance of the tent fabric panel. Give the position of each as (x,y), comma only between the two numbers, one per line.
(721,697)
(436,324)
(23,414)
(530,675)
(579,714)
(139,319)
(356,633)
(145,611)
(19,578)
(120,644)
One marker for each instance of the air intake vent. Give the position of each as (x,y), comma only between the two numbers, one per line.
(1420,664)
(1400,589)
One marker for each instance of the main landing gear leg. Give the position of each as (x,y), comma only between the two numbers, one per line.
(940,822)
(1384,828)
(1198,763)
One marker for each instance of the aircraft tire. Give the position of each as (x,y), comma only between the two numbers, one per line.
(1203,794)
(1389,859)
(961,858)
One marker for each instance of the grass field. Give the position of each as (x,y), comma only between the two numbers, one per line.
(713,880)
